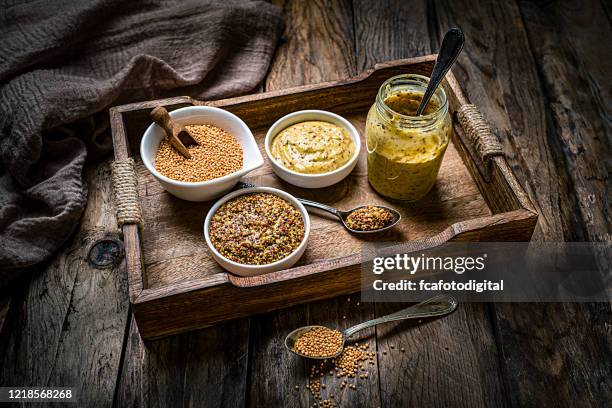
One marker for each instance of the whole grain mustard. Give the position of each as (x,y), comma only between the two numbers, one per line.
(405,151)
(256,229)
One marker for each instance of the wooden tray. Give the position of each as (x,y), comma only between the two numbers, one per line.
(175,285)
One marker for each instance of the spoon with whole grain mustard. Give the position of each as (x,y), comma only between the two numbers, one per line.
(329,343)
(365,219)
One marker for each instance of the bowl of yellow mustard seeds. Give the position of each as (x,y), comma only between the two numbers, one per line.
(226,151)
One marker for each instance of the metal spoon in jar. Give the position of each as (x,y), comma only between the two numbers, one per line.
(452,44)
(436,306)
(344,215)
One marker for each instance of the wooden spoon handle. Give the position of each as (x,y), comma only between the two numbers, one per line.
(161,116)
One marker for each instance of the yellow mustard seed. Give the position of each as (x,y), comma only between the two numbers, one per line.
(218,154)
(319,342)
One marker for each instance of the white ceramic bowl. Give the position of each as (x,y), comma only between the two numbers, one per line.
(312,180)
(202,115)
(252,270)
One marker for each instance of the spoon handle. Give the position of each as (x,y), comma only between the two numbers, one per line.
(452,44)
(161,116)
(436,306)
(320,206)
(307,203)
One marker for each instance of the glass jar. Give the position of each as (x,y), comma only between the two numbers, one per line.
(405,151)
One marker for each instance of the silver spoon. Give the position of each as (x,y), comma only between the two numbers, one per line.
(343,215)
(436,306)
(452,44)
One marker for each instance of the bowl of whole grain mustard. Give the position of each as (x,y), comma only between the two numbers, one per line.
(258,230)
(312,148)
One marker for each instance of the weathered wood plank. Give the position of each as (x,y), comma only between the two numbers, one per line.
(528,97)
(317,44)
(456,353)
(572,48)
(409,36)
(556,354)
(500,79)
(5,303)
(318,47)
(206,368)
(274,372)
(68,327)
(447,362)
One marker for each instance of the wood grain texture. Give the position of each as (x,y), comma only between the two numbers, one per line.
(575,66)
(464,339)
(5,303)
(317,44)
(200,369)
(274,372)
(526,95)
(581,130)
(67,328)
(503,84)
(409,36)
(447,362)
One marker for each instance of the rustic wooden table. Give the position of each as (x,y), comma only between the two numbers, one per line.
(540,72)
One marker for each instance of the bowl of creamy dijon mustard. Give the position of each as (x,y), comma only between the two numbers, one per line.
(312,148)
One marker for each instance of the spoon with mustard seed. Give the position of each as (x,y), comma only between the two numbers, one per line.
(320,342)
(365,219)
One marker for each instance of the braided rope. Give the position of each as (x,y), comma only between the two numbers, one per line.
(125,186)
(479,132)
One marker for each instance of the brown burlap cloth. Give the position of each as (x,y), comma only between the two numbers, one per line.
(63,64)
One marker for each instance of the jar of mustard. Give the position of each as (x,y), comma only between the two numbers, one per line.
(405,151)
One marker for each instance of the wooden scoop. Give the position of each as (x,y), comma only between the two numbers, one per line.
(176,133)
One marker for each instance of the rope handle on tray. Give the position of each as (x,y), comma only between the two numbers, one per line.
(479,133)
(125,186)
